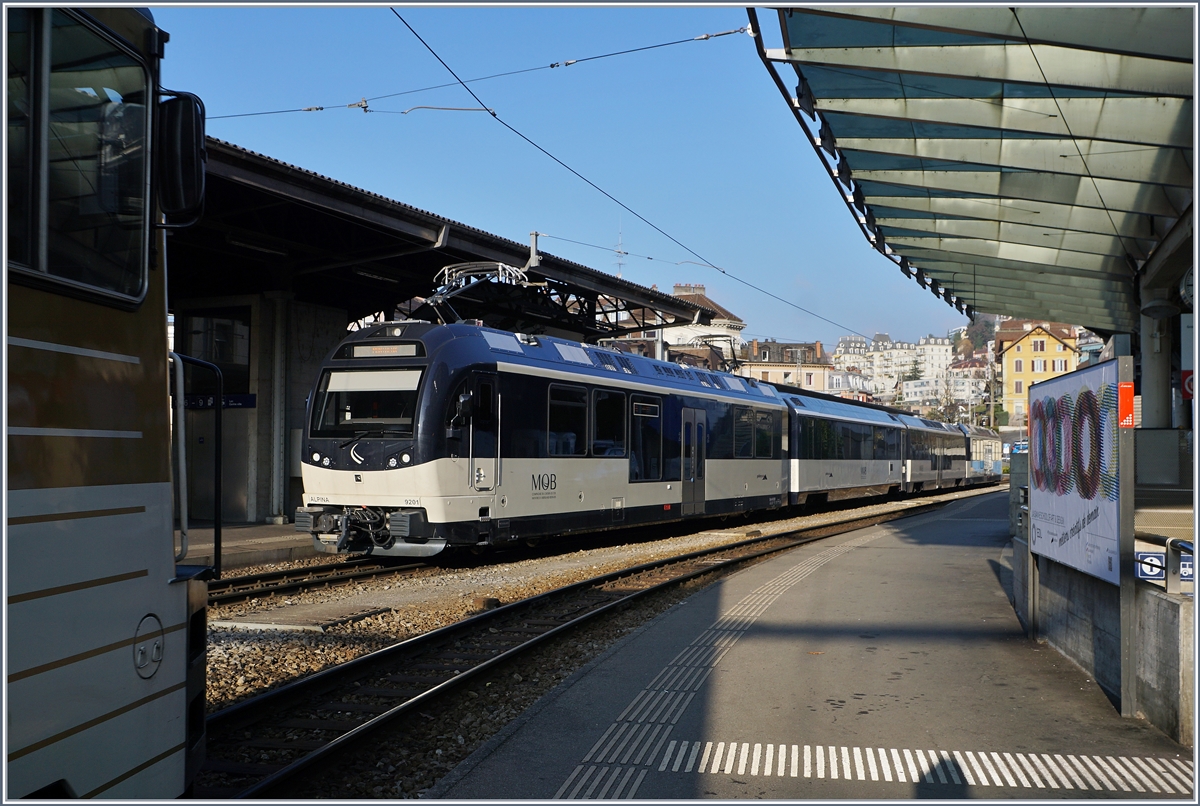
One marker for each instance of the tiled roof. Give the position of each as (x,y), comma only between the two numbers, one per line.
(705,302)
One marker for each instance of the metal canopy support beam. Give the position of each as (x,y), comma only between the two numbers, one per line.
(1064,67)
(1101,160)
(964,280)
(1028,309)
(1173,256)
(919,254)
(1160,32)
(1006,250)
(1138,121)
(1041,186)
(1023,211)
(1017,233)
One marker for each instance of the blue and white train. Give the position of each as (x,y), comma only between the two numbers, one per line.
(425,437)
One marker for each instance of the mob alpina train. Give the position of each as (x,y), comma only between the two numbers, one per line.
(424,437)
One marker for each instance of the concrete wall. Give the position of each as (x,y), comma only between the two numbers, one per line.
(1020,580)
(313,330)
(1080,616)
(310,332)
(1166,662)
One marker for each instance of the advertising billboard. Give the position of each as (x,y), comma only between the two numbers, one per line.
(1074,483)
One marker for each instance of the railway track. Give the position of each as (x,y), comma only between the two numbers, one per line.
(253,586)
(255,746)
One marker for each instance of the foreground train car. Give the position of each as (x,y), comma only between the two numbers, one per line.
(422,437)
(105,635)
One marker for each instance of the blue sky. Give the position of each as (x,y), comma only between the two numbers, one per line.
(694,137)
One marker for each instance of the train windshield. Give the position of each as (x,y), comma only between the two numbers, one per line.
(366,402)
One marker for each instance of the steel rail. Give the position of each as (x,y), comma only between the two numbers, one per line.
(253,586)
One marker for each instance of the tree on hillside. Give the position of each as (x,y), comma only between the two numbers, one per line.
(981,331)
(914,372)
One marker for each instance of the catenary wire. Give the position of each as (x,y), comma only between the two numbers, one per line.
(551,66)
(617,201)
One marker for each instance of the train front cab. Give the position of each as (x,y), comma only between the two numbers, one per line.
(524,437)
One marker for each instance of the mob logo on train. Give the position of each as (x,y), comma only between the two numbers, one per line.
(544,481)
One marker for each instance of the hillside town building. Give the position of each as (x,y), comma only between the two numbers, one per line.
(1030,351)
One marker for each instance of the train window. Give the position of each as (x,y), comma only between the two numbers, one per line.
(93,211)
(743,433)
(220,336)
(645,439)
(482,411)
(20,143)
(766,434)
(818,439)
(608,423)
(567,425)
(376,402)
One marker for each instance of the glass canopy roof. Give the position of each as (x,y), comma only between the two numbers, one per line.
(1024,161)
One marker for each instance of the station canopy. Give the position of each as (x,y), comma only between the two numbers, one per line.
(272,227)
(1035,162)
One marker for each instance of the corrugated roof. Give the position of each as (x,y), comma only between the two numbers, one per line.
(1025,161)
(610,282)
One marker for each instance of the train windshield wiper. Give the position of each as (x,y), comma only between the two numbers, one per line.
(371,432)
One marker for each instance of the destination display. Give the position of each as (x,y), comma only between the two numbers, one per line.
(1074,484)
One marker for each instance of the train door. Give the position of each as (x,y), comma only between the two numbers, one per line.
(692,441)
(485,430)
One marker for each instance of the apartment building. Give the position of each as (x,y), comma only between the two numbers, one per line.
(1030,351)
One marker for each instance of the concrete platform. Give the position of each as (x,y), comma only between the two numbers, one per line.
(885,663)
(247,544)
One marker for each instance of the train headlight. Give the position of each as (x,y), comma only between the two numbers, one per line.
(405,458)
(392,462)
(316,457)
(325,462)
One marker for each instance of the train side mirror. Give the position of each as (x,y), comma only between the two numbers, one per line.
(462,413)
(181,158)
(464,408)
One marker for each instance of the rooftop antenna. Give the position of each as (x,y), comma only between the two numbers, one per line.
(620,248)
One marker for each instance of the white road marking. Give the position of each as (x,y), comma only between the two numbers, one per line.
(1037,779)
(667,756)
(949,764)
(716,766)
(912,769)
(1005,772)
(883,760)
(962,765)
(692,757)
(1004,769)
